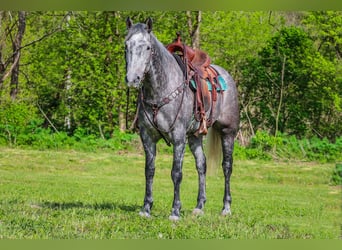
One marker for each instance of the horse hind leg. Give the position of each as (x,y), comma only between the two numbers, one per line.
(196,147)
(227,166)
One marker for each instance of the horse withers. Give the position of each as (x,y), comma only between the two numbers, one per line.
(166,111)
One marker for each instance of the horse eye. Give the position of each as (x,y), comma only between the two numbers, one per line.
(148,47)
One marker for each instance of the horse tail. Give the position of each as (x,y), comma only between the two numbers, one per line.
(213,149)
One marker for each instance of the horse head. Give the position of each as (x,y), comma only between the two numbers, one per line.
(138,51)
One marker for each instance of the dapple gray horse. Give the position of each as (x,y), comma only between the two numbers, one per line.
(165,110)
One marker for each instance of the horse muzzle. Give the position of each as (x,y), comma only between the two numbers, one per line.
(133,81)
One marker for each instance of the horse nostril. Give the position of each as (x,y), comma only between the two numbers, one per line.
(137,79)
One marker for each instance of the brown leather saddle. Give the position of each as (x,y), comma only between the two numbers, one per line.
(198,69)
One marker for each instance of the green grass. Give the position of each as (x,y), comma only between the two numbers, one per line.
(97,195)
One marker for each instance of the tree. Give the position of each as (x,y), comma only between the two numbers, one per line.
(231,38)
(71,70)
(291,81)
(324,27)
(194,24)
(80,73)
(16,45)
(9,60)
(326,30)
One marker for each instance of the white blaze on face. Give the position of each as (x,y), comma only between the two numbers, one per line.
(138,54)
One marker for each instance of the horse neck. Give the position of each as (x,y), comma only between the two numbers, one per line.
(164,75)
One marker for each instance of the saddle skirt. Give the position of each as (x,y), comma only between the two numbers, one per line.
(203,79)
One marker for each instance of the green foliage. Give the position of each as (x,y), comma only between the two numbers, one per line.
(44,139)
(265,142)
(292,88)
(119,141)
(226,36)
(336,177)
(287,66)
(20,129)
(325,28)
(82,84)
(282,147)
(16,119)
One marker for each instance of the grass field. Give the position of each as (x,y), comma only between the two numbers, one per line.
(97,195)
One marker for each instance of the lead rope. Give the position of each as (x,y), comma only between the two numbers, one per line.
(127,106)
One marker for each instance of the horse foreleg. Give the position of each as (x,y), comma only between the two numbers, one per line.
(196,147)
(150,155)
(176,175)
(227,166)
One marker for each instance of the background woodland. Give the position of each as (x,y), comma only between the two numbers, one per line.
(62,73)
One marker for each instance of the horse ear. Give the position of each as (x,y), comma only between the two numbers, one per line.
(129,23)
(149,24)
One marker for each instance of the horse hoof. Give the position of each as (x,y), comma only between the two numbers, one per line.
(144,214)
(197,212)
(226,212)
(174,218)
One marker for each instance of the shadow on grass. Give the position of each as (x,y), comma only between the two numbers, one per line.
(96,206)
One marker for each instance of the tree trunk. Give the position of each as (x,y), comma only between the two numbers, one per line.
(16,44)
(67,88)
(194,28)
(122,120)
(68,100)
(281,94)
(2,42)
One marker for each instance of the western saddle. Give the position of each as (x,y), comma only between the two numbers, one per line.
(199,70)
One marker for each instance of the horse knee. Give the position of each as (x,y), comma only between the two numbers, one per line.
(149,173)
(201,169)
(176,175)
